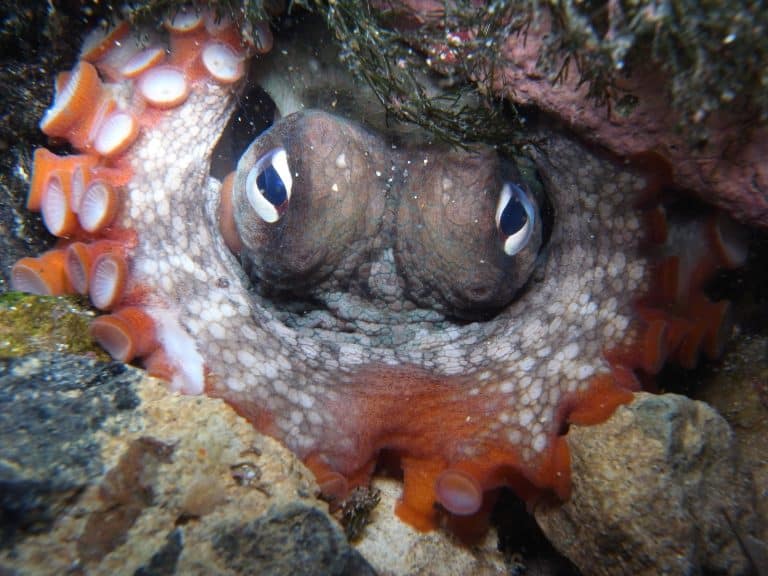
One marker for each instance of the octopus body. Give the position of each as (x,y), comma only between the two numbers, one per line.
(349,299)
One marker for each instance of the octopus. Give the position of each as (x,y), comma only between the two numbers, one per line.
(357,300)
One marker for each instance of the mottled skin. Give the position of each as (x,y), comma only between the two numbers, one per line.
(399,229)
(308,384)
(380,312)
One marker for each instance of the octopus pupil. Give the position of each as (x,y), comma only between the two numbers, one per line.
(271,186)
(513,217)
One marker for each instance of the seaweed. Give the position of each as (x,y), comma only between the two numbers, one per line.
(713,55)
(403,77)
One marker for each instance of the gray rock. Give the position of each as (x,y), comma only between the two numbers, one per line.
(738,389)
(50,408)
(104,471)
(657,489)
(288,540)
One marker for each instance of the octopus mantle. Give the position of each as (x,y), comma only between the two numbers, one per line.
(466,407)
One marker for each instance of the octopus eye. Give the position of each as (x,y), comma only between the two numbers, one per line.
(268,185)
(515,218)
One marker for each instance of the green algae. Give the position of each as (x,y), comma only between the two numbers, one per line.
(43,323)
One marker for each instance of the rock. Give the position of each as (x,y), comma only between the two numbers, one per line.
(738,389)
(727,170)
(103,471)
(293,539)
(722,163)
(657,489)
(395,548)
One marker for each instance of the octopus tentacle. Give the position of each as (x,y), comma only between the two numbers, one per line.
(466,406)
(89,199)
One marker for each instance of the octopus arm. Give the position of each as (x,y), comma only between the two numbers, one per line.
(465,410)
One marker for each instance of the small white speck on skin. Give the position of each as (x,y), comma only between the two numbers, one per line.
(246,358)
(268,369)
(187,264)
(585,371)
(283,362)
(217,330)
(208,314)
(507,387)
(589,308)
(280,387)
(146,266)
(556,309)
(527,364)
(193,325)
(555,325)
(163,208)
(235,384)
(571,351)
(226,310)
(305,400)
(166,284)
(200,275)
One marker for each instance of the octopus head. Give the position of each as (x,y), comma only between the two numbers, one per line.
(318,200)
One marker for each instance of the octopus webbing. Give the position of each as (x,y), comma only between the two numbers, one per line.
(354,299)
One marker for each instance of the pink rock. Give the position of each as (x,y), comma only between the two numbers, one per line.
(729,171)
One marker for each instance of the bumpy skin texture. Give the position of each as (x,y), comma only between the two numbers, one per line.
(400,229)
(449,394)
(465,406)
(438,393)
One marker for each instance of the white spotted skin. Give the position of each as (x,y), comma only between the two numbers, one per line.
(541,349)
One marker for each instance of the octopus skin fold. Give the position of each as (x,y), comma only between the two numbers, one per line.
(466,406)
